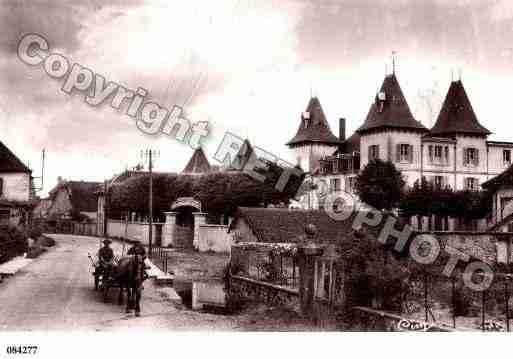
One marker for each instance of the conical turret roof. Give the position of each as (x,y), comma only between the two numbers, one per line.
(390,110)
(198,163)
(457,115)
(314,127)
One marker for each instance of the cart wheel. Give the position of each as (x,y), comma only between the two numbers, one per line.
(105,292)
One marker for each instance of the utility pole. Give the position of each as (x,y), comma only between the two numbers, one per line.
(150,154)
(150,230)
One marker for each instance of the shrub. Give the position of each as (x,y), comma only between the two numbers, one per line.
(35,232)
(45,241)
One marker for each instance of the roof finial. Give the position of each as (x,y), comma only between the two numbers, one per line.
(393,62)
(459,74)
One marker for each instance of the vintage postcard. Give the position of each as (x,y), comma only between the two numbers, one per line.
(234,166)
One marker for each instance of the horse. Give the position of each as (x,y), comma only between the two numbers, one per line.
(129,274)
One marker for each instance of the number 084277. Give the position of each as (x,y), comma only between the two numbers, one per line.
(21,349)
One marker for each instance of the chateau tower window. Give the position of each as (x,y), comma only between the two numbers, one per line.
(470,156)
(404,153)
(373,152)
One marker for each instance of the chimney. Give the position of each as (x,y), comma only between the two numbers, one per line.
(342,129)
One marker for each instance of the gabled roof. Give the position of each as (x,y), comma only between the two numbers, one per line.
(284,225)
(198,163)
(390,110)
(457,115)
(315,128)
(9,162)
(503,179)
(83,195)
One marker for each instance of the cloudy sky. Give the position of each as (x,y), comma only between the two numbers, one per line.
(246,66)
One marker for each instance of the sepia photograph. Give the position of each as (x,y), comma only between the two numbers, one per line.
(241,170)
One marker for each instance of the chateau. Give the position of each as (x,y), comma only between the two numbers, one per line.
(454,153)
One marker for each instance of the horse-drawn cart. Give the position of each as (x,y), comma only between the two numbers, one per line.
(103,277)
(126,273)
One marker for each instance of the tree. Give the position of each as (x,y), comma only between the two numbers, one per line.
(380,185)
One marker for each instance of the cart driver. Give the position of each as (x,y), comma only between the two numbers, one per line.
(106,256)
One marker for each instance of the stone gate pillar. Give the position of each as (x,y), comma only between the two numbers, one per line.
(199,219)
(169,229)
(307,259)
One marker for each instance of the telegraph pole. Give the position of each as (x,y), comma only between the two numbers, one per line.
(150,230)
(150,154)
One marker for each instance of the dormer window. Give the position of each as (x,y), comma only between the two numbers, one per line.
(306,119)
(381,100)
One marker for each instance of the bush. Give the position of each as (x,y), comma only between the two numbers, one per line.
(13,242)
(35,232)
(45,241)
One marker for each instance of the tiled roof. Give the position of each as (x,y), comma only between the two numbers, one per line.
(505,178)
(390,110)
(352,144)
(83,195)
(457,115)
(198,163)
(9,162)
(315,128)
(283,225)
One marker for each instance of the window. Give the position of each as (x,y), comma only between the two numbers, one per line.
(506,157)
(439,182)
(351,184)
(335,185)
(373,152)
(471,184)
(470,157)
(1,187)
(5,215)
(404,153)
(439,154)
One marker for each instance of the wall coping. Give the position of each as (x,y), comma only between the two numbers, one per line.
(140,223)
(481,233)
(265,284)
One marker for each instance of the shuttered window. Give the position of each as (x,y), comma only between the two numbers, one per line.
(404,153)
(373,152)
(470,156)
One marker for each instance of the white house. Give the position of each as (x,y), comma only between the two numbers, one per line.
(454,153)
(15,188)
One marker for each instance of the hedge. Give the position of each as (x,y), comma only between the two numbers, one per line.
(218,192)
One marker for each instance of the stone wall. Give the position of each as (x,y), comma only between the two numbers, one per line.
(214,238)
(243,288)
(132,231)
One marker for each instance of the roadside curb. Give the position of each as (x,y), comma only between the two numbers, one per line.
(12,266)
(158,275)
